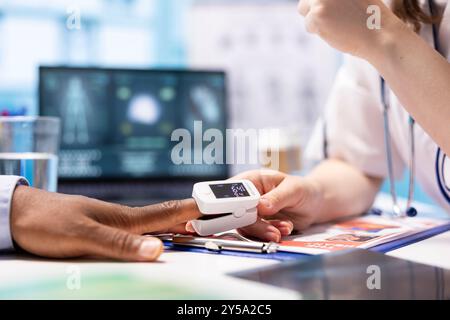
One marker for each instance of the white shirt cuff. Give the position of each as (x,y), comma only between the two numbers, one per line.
(7,186)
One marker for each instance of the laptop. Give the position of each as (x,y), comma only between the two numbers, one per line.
(117,126)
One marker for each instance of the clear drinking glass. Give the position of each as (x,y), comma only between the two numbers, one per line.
(29,148)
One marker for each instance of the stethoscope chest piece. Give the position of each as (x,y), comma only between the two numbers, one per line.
(411,212)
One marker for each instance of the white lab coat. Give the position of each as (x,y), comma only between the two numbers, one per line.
(7,187)
(354,122)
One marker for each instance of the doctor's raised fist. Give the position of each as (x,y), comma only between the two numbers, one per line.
(351,26)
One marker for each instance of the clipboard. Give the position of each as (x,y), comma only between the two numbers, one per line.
(287,256)
(281,256)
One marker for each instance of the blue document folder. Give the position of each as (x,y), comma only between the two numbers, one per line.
(283,256)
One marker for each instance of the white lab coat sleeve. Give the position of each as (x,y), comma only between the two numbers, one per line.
(7,186)
(353,119)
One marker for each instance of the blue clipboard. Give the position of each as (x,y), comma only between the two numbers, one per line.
(281,256)
(286,256)
(403,242)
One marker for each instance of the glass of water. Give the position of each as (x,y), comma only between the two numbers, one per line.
(29,148)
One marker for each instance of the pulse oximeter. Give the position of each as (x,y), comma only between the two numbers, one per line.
(225,205)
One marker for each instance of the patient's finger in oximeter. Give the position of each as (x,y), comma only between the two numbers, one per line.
(226,205)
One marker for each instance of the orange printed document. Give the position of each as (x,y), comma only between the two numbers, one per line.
(361,232)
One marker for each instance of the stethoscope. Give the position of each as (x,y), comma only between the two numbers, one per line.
(410,211)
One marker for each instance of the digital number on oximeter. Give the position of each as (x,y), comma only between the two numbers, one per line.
(229,190)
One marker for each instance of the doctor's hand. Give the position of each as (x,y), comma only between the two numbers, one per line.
(344,24)
(287,203)
(64,226)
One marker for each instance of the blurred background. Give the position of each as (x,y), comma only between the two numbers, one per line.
(273,65)
(278,76)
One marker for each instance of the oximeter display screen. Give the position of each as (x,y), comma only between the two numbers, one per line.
(229,190)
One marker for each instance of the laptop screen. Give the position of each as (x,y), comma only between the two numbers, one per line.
(118,123)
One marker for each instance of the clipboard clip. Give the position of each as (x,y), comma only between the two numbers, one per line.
(218,244)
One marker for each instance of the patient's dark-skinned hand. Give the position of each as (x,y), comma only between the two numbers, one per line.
(65,226)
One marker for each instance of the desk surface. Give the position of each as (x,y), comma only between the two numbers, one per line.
(433,251)
(176,275)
